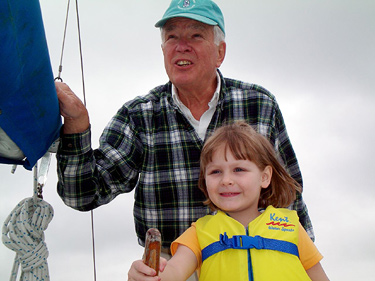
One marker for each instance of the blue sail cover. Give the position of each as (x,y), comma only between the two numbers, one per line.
(29,109)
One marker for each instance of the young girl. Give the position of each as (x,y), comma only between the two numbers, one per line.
(250,236)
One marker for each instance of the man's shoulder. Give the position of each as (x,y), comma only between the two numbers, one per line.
(154,96)
(233,85)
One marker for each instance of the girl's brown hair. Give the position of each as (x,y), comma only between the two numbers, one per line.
(246,144)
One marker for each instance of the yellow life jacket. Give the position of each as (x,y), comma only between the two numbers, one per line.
(265,250)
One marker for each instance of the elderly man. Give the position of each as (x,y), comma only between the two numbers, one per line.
(153,143)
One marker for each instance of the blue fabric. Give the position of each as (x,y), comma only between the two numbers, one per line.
(248,242)
(29,109)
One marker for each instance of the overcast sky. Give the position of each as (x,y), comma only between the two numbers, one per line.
(316,57)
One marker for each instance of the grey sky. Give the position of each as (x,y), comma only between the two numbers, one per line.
(316,57)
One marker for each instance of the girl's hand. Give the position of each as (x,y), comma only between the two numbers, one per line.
(141,272)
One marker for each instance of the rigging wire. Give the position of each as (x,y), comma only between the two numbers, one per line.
(63,43)
(81,56)
(84,102)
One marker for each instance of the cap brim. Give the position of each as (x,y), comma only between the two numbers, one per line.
(199,18)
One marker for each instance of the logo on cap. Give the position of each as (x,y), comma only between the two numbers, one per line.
(186,4)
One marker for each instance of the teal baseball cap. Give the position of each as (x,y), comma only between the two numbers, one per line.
(205,11)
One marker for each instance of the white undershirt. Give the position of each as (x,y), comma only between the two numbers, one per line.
(201,125)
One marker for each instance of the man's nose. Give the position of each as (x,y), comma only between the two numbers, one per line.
(183,45)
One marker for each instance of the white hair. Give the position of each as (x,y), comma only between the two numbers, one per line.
(219,35)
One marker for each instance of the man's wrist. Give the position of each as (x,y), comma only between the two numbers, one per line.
(73,126)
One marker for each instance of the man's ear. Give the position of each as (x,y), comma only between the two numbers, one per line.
(266,176)
(221,53)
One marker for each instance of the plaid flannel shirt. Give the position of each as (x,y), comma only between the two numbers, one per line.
(149,145)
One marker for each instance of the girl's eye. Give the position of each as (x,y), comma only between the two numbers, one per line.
(238,169)
(213,172)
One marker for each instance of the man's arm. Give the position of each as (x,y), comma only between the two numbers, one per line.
(89,178)
(286,152)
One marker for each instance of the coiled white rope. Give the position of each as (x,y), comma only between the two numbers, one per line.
(23,232)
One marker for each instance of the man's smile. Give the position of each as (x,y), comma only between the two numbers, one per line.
(183,62)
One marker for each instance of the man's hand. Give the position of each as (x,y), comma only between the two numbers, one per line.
(76,117)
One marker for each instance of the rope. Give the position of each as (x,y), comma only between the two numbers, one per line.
(23,232)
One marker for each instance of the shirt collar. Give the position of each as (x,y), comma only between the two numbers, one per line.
(213,101)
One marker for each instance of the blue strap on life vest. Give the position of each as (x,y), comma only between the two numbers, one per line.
(29,109)
(248,242)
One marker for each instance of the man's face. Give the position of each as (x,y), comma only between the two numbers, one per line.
(190,54)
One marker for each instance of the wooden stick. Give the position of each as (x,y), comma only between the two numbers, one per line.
(151,256)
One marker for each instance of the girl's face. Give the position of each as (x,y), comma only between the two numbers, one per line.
(234,185)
